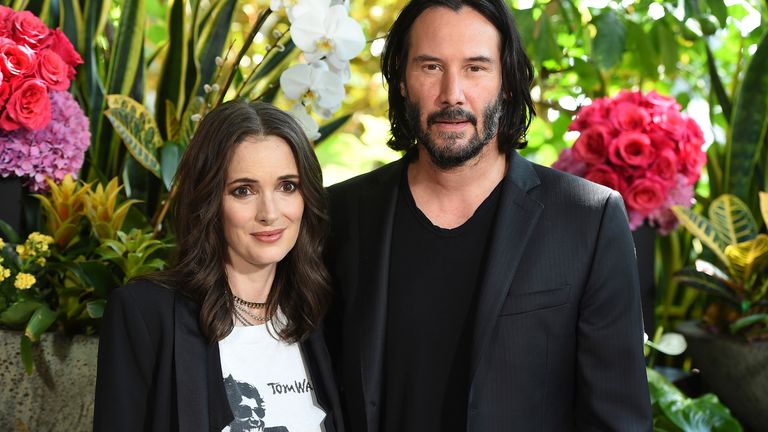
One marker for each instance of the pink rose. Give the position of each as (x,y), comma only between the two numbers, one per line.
(672,122)
(630,117)
(660,141)
(63,47)
(632,97)
(6,14)
(657,103)
(15,60)
(692,159)
(52,70)
(645,195)
(29,106)
(606,176)
(665,166)
(592,145)
(591,115)
(567,163)
(633,149)
(692,133)
(27,29)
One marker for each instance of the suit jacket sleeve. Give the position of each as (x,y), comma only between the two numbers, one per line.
(125,366)
(612,390)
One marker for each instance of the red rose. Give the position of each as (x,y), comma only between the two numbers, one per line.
(29,106)
(665,166)
(604,175)
(658,103)
(15,60)
(635,98)
(692,133)
(52,69)
(27,29)
(673,123)
(592,145)
(633,149)
(6,14)
(591,115)
(630,117)
(692,159)
(645,195)
(63,47)
(660,141)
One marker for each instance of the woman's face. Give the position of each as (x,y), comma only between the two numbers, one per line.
(262,205)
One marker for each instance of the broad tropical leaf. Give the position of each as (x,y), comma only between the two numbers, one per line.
(732,219)
(749,124)
(749,257)
(138,130)
(610,40)
(764,206)
(710,284)
(40,322)
(702,230)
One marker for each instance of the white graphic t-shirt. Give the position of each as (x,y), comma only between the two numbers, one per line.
(267,385)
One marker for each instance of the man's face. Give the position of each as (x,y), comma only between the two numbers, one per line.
(453,84)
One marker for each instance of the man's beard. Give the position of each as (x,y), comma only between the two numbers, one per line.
(451,154)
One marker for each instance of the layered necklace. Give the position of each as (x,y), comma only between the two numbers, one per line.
(249,313)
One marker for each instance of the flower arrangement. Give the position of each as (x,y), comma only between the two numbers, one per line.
(643,147)
(43,132)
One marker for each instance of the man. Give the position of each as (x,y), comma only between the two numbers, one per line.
(478,291)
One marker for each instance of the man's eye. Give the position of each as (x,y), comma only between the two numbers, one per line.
(288,187)
(432,67)
(475,68)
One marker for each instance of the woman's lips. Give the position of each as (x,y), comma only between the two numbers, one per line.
(268,236)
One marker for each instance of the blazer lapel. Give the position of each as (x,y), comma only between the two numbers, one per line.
(516,217)
(376,216)
(200,394)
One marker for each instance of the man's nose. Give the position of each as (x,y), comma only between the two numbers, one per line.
(451,89)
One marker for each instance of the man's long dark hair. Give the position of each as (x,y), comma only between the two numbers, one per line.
(301,285)
(517,72)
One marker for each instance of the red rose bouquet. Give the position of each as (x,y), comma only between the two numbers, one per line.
(643,147)
(43,131)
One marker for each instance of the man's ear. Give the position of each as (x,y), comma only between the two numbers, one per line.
(402,89)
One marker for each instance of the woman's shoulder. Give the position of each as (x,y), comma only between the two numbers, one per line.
(145,295)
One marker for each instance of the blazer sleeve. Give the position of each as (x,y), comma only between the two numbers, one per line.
(612,389)
(125,366)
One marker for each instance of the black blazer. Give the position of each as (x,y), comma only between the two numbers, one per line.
(558,336)
(156,372)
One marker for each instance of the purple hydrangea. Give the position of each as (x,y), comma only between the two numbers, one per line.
(54,151)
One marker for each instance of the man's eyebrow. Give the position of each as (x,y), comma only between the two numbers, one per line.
(423,58)
(480,59)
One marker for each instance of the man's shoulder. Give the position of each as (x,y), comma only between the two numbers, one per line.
(388,173)
(567,189)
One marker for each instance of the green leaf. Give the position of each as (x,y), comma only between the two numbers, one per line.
(98,276)
(188,126)
(732,220)
(95,308)
(643,51)
(689,276)
(610,40)
(545,43)
(173,74)
(750,257)
(329,128)
(137,128)
(717,85)
(212,41)
(40,322)
(702,229)
(747,321)
(719,10)
(125,57)
(9,232)
(749,124)
(19,313)
(667,45)
(170,156)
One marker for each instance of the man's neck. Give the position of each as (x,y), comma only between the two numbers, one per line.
(450,197)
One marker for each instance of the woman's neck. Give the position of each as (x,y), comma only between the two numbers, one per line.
(251,284)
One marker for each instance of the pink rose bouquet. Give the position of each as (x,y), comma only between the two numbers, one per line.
(643,147)
(43,131)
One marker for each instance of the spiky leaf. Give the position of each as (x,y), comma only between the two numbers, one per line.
(732,219)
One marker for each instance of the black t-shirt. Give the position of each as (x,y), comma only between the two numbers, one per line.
(434,277)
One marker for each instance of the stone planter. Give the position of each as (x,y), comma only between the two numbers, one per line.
(737,372)
(58,396)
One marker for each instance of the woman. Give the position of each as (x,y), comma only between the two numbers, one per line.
(227,340)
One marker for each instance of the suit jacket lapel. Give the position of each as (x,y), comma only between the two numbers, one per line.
(516,217)
(376,216)
(200,394)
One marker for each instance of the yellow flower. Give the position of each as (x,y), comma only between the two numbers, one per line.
(40,261)
(4,273)
(24,281)
(2,243)
(22,251)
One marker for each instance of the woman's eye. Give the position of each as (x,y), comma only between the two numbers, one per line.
(288,187)
(241,191)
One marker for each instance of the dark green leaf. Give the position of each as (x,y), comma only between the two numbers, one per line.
(689,276)
(96,308)
(40,322)
(26,354)
(610,40)
(170,155)
(98,276)
(9,233)
(719,10)
(19,313)
(717,85)
(327,129)
(126,51)
(171,84)
(213,46)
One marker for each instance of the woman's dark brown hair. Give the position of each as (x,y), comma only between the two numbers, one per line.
(300,289)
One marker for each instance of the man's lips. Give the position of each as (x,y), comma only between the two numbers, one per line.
(270,236)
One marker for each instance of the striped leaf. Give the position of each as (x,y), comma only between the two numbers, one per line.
(749,257)
(702,230)
(126,51)
(764,206)
(137,128)
(172,77)
(691,277)
(732,219)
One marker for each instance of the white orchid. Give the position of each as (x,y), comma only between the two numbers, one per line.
(308,124)
(314,86)
(321,30)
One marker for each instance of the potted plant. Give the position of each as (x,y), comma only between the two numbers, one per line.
(730,343)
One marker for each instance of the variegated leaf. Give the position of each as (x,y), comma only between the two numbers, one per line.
(700,227)
(764,206)
(138,130)
(749,257)
(189,122)
(732,219)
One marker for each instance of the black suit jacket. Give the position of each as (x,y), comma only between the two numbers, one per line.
(558,336)
(156,372)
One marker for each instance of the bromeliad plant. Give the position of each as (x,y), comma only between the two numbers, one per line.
(739,281)
(61,281)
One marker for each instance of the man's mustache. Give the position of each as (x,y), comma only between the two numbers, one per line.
(451,114)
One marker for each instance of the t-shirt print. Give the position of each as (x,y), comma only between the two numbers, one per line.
(267,384)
